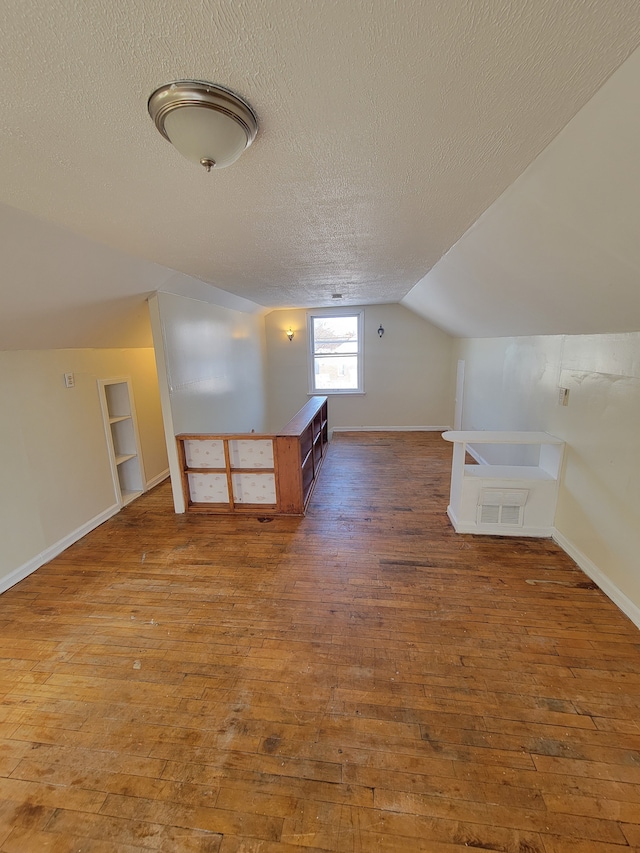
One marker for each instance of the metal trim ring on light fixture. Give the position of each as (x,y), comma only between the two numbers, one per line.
(200,93)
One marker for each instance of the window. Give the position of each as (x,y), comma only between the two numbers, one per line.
(335,362)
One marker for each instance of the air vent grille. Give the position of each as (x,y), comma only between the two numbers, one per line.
(489,514)
(502,506)
(510,515)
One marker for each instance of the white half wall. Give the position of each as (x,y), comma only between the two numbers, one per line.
(211,368)
(214,360)
(512,384)
(56,481)
(407,373)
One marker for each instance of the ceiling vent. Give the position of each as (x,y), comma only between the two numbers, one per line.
(502,506)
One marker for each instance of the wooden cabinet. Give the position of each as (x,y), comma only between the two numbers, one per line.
(513,499)
(301,448)
(123,443)
(256,474)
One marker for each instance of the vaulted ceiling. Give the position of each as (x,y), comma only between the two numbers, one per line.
(387,129)
(558,252)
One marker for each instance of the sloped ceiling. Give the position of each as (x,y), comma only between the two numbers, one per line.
(386,130)
(559,251)
(62,290)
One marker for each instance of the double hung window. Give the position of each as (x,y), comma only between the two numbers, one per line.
(335,355)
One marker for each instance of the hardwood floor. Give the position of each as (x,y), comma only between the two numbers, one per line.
(362,680)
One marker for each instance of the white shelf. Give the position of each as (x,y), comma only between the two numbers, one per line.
(119,418)
(506,472)
(497,437)
(125,457)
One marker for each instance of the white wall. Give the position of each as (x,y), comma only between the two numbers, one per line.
(214,360)
(211,366)
(511,383)
(55,474)
(407,372)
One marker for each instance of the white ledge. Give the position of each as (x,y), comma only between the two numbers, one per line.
(498,437)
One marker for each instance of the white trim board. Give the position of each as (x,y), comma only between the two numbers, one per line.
(159,345)
(592,571)
(499,529)
(58,547)
(155,481)
(390,429)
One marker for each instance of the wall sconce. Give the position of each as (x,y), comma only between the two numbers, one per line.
(380,331)
(289,333)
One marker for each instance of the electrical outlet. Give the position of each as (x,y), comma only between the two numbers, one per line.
(563,396)
(69,380)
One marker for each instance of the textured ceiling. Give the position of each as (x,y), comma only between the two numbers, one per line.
(386,128)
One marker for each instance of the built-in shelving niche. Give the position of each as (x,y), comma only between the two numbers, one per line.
(123,443)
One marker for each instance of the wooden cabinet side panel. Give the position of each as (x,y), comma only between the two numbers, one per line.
(289,475)
(184,477)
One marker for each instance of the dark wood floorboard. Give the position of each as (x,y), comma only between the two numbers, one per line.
(362,680)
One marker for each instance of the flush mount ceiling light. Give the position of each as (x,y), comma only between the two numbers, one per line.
(208,124)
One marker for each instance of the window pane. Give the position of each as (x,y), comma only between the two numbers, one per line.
(335,334)
(339,372)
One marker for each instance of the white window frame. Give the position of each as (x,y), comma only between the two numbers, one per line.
(335,312)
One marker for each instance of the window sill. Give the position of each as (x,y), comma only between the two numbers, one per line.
(329,392)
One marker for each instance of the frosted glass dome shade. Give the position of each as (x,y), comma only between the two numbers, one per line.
(203,134)
(207,124)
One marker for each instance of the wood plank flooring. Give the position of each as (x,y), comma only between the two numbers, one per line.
(362,680)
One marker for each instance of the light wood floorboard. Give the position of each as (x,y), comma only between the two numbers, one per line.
(362,680)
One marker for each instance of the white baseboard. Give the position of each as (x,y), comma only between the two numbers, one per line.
(156,480)
(390,429)
(52,551)
(592,571)
(453,519)
(498,529)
